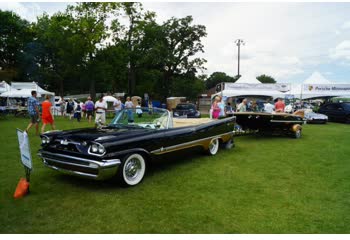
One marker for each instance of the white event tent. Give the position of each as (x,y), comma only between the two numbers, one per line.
(250,86)
(4,87)
(317,86)
(24,89)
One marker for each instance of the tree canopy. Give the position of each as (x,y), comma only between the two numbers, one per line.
(97,47)
(218,77)
(266,79)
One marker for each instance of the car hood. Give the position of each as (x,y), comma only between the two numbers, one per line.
(99,134)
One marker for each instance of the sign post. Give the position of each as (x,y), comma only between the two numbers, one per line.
(24,149)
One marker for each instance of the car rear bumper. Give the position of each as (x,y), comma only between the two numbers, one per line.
(83,167)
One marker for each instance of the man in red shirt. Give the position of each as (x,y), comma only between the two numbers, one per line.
(279,105)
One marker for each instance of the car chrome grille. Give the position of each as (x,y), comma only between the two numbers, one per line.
(63,159)
(82,169)
(69,147)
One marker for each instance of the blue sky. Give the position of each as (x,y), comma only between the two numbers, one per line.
(288,41)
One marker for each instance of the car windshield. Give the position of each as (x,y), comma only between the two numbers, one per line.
(184,107)
(152,118)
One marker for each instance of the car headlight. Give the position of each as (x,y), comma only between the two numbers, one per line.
(97,148)
(176,114)
(94,148)
(45,140)
(101,149)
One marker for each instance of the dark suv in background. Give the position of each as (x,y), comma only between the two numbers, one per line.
(336,112)
(186,110)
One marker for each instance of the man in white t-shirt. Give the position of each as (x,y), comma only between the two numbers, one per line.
(268,107)
(100,108)
(117,104)
(129,106)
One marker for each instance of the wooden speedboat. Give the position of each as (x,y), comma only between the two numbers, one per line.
(280,123)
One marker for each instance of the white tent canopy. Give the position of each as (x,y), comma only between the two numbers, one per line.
(317,78)
(4,87)
(24,89)
(317,86)
(22,93)
(109,99)
(251,92)
(272,90)
(247,79)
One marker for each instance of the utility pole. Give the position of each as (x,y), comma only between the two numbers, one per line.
(239,42)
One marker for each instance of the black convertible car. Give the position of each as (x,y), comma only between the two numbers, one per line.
(129,142)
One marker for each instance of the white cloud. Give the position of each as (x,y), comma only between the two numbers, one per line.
(346,25)
(341,51)
(283,40)
(28,11)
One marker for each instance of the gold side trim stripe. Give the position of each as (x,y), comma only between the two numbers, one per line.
(199,142)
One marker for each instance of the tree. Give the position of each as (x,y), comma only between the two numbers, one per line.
(182,41)
(90,32)
(216,78)
(14,35)
(61,56)
(138,38)
(188,85)
(266,79)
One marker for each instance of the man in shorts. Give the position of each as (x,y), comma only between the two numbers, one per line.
(89,108)
(33,111)
(100,108)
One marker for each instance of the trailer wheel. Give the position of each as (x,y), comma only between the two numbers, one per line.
(213,147)
(229,144)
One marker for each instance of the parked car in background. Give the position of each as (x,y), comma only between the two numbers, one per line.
(337,112)
(312,117)
(187,110)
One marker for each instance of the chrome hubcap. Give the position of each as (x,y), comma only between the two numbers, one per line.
(132,168)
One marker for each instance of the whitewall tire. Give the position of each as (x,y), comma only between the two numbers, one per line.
(132,170)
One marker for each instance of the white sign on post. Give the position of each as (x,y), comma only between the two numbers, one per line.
(24,148)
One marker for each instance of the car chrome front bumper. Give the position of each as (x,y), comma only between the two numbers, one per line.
(83,167)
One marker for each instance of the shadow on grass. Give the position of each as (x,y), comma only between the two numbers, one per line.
(167,163)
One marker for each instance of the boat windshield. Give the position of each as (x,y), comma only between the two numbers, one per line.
(152,118)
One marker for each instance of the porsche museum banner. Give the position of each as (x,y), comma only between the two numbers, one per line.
(327,88)
(281,87)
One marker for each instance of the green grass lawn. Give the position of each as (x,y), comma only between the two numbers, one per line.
(263,185)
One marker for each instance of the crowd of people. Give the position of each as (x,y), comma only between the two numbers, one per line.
(220,109)
(74,110)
